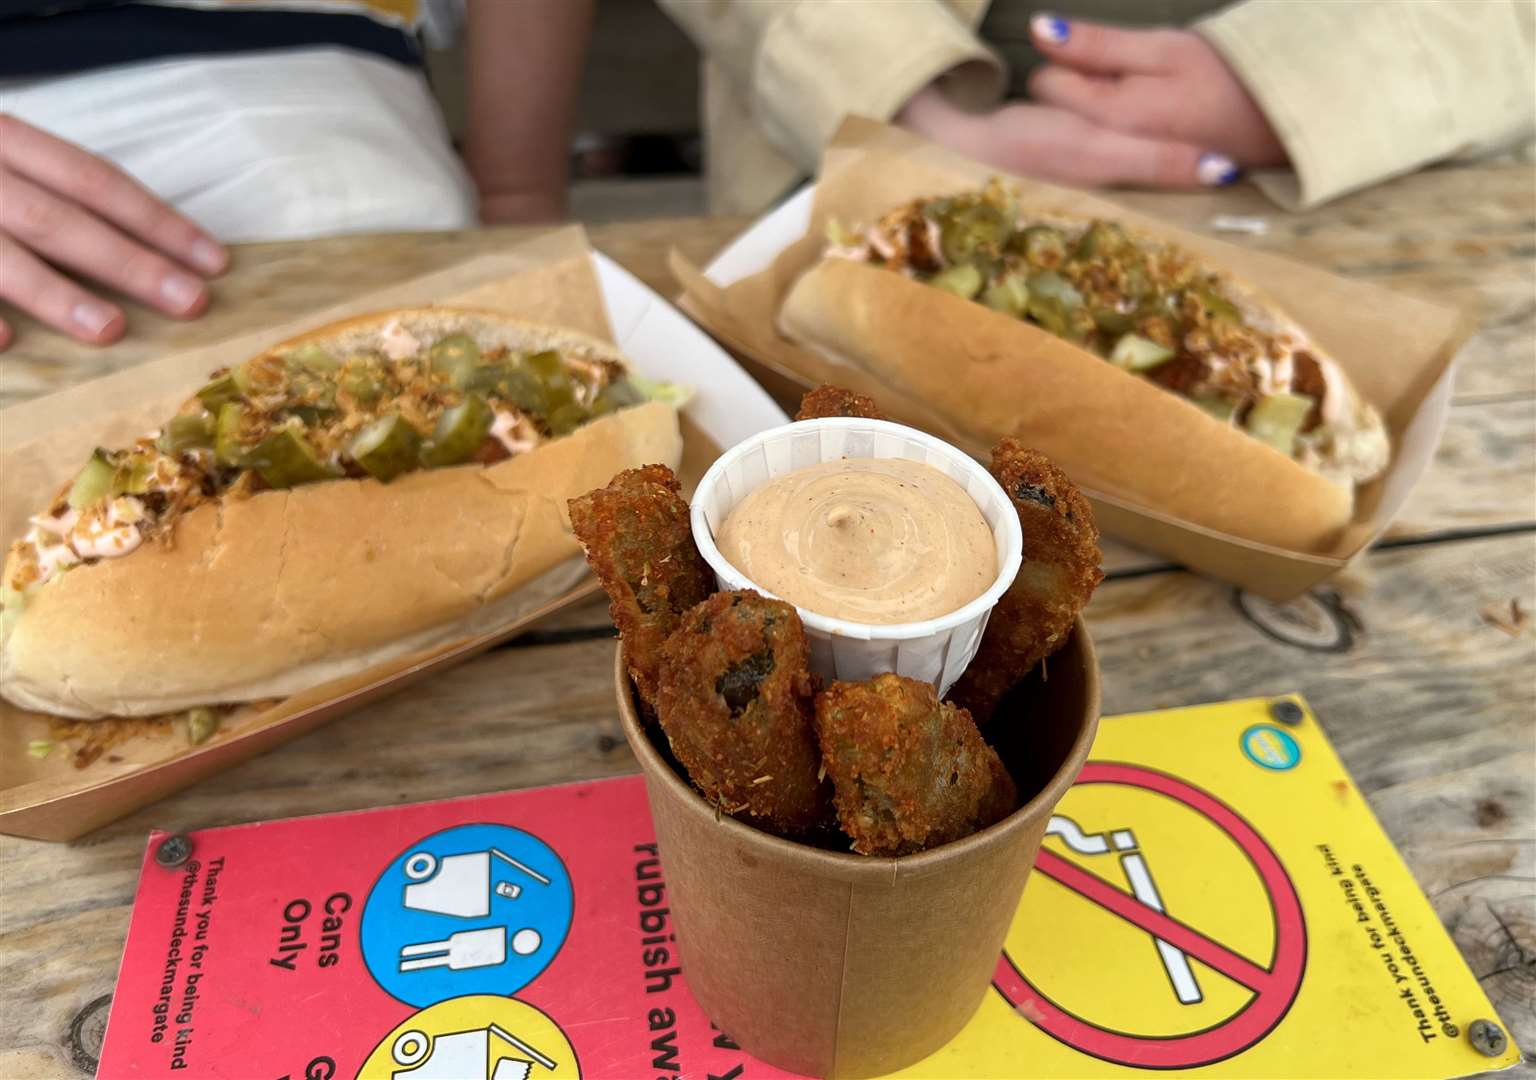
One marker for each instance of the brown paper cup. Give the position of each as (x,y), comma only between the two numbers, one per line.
(834,964)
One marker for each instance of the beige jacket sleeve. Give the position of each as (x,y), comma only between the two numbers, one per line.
(799,66)
(1362,91)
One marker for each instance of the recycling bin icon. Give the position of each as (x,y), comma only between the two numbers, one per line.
(479,908)
(488,1053)
(461,885)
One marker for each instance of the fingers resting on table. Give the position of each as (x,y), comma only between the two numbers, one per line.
(66,213)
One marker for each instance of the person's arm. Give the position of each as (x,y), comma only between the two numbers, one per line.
(1371,89)
(64,210)
(801,65)
(524,63)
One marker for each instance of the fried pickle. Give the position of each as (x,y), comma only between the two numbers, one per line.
(1059,573)
(638,542)
(734,698)
(826,400)
(909,773)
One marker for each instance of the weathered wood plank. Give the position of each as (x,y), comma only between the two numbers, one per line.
(278,281)
(1483,475)
(1432,709)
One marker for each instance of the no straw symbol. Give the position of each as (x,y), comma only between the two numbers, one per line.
(1274,987)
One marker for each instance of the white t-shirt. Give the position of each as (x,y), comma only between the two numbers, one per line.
(268,145)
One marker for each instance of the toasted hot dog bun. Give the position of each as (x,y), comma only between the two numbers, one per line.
(994,376)
(285,590)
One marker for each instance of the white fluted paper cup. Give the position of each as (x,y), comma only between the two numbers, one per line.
(933,650)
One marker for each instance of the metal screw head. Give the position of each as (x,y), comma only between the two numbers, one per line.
(1487,1038)
(1286,711)
(173,851)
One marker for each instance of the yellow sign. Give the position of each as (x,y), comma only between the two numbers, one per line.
(479,1035)
(1215,898)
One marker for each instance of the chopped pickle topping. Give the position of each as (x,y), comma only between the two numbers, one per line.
(1145,306)
(1277,420)
(285,458)
(1008,294)
(94,482)
(387,447)
(962,279)
(312,413)
(220,389)
(1136,353)
(1218,408)
(202,722)
(187,431)
(459,432)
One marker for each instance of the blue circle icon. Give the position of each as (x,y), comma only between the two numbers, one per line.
(476,909)
(1270,747)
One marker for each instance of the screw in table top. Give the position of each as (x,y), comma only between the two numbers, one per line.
(1286,711)
(173,851)
(1487,1038)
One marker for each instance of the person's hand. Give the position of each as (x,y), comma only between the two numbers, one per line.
(63,207)
(1159,84)
(1153,108)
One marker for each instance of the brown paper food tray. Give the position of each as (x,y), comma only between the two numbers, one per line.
(549,278)
(1397,349)
(834,964)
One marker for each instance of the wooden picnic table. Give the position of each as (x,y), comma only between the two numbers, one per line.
(1414,660)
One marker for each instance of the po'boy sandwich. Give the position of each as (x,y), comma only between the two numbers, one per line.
(1151,350)
(365,490)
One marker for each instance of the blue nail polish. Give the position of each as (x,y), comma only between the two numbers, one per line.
(1052,29)
(1217,170)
